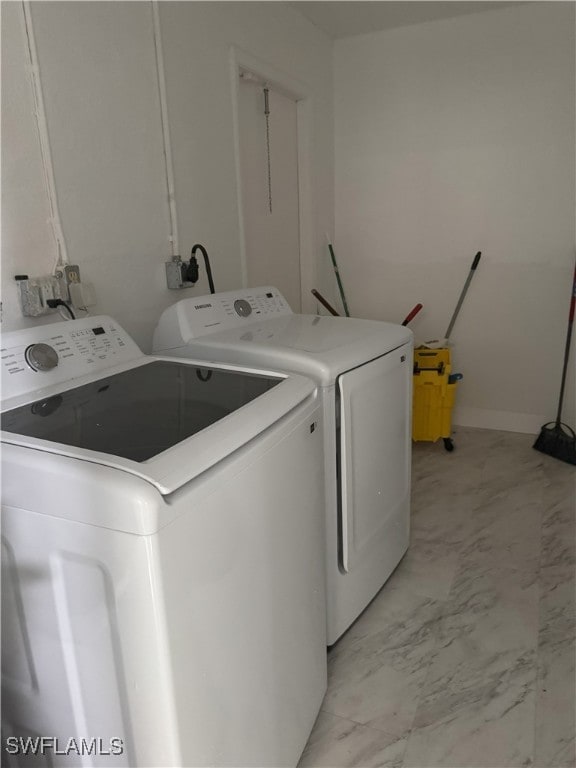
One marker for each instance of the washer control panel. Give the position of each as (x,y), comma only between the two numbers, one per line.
(190,318)
(233,308)
(34,358)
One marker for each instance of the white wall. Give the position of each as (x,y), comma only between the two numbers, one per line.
(451,137)
(97,65)
(27,245)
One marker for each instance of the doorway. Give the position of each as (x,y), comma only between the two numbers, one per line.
(268,129)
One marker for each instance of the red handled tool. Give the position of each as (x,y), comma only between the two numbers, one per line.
(411,315)
(323,301)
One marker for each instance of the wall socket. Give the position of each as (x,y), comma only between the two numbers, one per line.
(176,274)
(69,274)
(72,273)
(35,292)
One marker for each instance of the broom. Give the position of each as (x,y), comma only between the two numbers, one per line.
(557,439)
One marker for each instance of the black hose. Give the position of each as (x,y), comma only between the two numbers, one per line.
(199,247)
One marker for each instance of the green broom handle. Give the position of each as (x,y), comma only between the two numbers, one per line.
(567,348)
(337,273)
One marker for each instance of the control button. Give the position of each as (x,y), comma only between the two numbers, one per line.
(242,307)
(41,357)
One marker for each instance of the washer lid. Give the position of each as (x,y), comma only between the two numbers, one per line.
(317,346)
(164,420)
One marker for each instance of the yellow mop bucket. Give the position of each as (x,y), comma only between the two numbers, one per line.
(433,396)
(434,383)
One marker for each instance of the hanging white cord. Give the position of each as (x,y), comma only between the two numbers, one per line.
(168,165)
(250,77)
(43,138)
(268,165)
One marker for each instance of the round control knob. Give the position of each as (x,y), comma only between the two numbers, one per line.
(41,357)
(242,307)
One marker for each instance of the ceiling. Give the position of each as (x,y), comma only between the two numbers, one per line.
(355,17)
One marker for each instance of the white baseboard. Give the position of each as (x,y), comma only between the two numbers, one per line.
(507,421)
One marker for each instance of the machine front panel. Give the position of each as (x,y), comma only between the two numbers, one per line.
(374,451)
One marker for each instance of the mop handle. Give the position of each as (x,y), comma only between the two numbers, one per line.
(463,294)
(323,301)
(337,273)
(567,348)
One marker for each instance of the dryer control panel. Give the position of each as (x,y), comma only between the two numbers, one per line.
(34,358)
(190,318)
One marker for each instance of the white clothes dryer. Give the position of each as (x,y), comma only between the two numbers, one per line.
(364,371)
(162,543)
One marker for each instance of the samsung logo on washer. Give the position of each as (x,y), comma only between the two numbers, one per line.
(202,306)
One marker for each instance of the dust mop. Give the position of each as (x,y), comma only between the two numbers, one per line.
(557,439)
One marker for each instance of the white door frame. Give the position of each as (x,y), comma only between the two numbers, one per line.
(242,61)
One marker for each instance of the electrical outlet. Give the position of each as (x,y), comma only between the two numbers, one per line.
(35,292)
(68,275)
(71,273)
(176,274)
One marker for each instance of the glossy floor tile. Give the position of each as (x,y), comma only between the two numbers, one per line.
(466,657)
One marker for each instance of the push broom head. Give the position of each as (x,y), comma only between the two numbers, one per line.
(557,440)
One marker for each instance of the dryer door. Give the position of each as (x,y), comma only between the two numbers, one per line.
(375,440)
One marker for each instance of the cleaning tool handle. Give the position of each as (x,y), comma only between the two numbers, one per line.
(463,294)
(339,281)
(412,314)
(323,301)
(567,349)
(573,300)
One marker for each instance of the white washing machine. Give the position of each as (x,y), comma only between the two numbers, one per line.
(364,371)
(163,599)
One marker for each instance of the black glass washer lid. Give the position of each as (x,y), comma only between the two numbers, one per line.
(139,413)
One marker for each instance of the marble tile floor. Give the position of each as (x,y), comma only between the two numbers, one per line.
(466,657)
